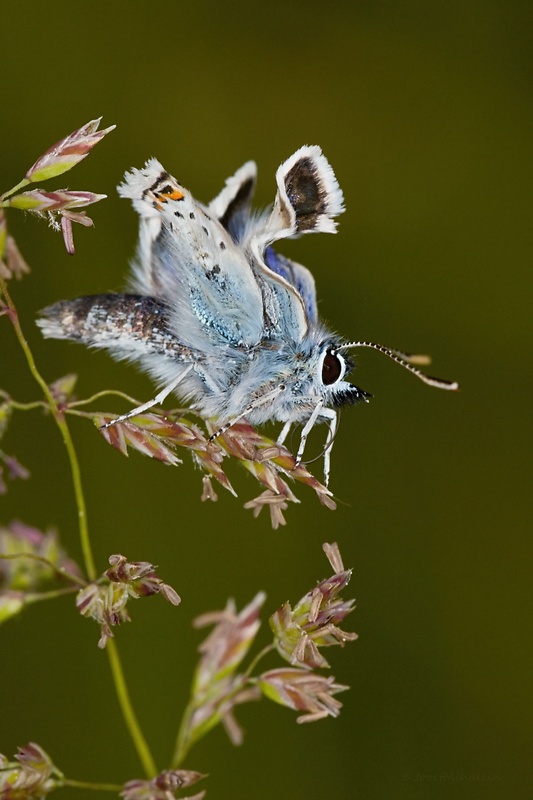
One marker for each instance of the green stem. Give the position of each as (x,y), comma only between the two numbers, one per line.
(127,710)
(93,787)
(26,406)
(257,659)
(51,595)
(24,182)
(65,433)
(104,393)
(60,570)
(116,667)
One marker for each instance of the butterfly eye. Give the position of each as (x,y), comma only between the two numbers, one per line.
(332,368)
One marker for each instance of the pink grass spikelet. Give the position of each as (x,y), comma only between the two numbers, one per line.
(314,621)
(31,776)
(163,787)
(105,600)
(67,152)
(303,691)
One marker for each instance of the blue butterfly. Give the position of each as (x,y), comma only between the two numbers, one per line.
(216,315)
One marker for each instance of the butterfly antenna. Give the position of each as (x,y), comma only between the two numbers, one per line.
(407,362)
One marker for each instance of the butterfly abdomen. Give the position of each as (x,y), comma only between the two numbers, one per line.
(129,325)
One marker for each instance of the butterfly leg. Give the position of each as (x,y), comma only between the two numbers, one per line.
(259,401)
(283,433)
(160,396)
(333,420)
(318,409)
(331,416)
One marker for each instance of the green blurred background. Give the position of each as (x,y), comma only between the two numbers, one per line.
(424,110)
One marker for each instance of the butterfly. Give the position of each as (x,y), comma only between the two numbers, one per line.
(216,315)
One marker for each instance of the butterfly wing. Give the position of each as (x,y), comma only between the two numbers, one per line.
(307,201)
(189,260)
(232,207)
(308,198)
(299,277)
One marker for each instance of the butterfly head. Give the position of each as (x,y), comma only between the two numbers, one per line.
(332,367)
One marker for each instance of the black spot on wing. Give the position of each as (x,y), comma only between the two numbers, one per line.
(238,208)
(163,176)
(306,194)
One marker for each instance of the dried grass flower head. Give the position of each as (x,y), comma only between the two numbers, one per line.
(163,787)
(314,621)
(58,205)
(31,776)
(105,600)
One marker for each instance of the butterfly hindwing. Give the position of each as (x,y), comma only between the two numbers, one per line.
(307,201)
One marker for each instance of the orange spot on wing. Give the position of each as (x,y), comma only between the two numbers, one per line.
(174,194)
